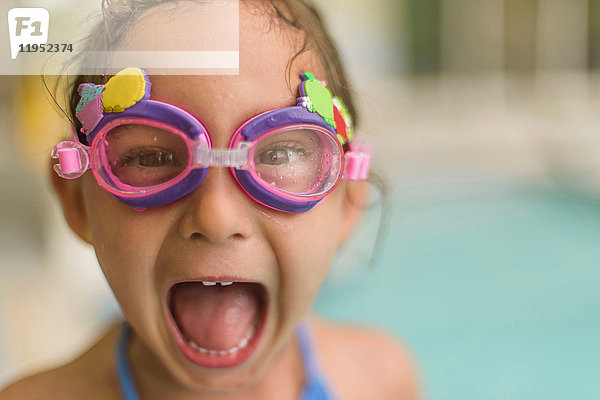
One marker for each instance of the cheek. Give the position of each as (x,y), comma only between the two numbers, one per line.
(126,243)
(305,250)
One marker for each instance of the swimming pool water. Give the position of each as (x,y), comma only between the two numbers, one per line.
(495,290)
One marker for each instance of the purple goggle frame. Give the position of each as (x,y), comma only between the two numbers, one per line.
(75,158)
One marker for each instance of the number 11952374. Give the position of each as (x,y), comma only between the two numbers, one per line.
(46,48)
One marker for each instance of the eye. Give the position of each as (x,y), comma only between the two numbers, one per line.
(149,157)
(279,154)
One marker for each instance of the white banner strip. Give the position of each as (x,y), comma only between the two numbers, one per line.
(160,59)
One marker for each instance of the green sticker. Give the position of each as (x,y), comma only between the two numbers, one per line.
(321,99)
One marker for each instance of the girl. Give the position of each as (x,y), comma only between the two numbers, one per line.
(215,205)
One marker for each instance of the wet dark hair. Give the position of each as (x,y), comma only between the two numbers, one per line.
(118,16)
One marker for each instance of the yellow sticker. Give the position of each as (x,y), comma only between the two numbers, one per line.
(124,90)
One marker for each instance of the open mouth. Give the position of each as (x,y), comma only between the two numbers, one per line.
(217,324)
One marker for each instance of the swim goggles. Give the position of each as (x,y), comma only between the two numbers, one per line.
(149,153)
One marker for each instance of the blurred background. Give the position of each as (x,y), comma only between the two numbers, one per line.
(484,115)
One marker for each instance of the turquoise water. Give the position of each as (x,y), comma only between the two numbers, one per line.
(494,290)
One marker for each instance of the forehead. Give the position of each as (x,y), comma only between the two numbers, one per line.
(265,46)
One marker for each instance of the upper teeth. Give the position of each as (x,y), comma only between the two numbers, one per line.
(209,283)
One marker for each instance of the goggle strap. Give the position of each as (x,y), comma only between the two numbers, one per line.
(73,159)
(358,160)
(232,158)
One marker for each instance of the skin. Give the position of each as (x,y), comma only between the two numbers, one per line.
(219,231)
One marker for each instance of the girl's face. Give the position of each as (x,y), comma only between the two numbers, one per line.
(276,260)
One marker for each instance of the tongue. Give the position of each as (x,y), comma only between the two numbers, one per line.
(215,317)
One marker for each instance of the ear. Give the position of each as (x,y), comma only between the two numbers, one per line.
(70,195)
(354,203)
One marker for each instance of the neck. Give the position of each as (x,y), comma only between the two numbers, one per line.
(283,378)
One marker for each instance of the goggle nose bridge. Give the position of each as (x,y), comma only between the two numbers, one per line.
(238,158)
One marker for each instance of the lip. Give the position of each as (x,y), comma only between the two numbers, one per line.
(210,361)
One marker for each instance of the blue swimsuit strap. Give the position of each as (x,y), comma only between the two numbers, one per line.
(316,387)
(125,379)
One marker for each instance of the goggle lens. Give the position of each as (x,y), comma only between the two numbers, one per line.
(302,162)
(142,156)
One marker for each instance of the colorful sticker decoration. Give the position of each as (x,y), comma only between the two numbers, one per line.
(88,92)
(88,109)
(125,89)
(315,97)
(343,121)
(340,126)
(318,98)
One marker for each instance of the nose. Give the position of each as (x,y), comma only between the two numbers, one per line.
(217,211)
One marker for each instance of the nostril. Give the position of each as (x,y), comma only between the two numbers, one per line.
(235,236)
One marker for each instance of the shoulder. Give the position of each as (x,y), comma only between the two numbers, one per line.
(90,376)
(364,362)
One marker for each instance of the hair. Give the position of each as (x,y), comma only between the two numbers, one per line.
(118,16)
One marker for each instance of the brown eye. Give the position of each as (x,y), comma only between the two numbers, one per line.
(150,158)
(274,157)
(281,155)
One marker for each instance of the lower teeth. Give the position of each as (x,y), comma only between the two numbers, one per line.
(243,343)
